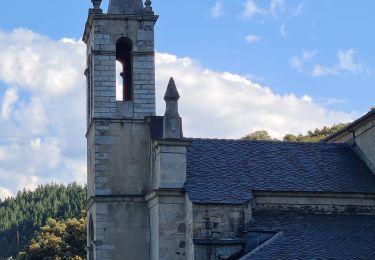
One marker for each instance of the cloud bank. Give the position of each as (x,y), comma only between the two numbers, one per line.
(227,105)
(42,102)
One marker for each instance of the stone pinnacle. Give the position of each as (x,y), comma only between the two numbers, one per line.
(172,93)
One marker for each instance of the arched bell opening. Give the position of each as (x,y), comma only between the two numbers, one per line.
(124,88)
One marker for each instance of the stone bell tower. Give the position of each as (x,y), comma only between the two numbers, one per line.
(117,130)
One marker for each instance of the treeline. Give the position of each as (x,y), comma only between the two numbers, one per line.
(311,136)
(22,216)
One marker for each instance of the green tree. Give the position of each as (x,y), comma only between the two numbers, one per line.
(258,136)
(58,240)
(290,138)
(316,135)
(23,215)
(311,136)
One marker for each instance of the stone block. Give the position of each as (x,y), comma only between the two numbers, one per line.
(145,35)
(105,140)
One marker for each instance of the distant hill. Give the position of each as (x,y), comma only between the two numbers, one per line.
(22,216)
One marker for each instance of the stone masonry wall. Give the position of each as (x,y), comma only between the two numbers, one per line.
(106,30)
(121,152)
(118,179)
(121,228)
(315,202)
(218,230)
(167,217)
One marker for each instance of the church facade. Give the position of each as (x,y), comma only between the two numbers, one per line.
(153,194)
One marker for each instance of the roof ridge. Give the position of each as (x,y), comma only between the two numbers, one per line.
(265,141)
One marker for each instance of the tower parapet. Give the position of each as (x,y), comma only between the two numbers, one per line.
(125,7)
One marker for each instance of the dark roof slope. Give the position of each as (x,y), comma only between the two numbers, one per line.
(226,171)
(315,236)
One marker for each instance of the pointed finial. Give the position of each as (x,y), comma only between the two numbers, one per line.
(172,126)
(96,3)
(96,9)
(172,93)
(148,7)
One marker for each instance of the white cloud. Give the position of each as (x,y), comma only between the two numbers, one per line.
(252,9)
(43,117)
(43,138)
(47,67)
(217,10)
(228,105)
(298,9)
(5,193)
(10,98)
(276,5)
(298,62)
(333,101)
(283,30)
(308,54)
(324,70)
(346,63)
(251,38)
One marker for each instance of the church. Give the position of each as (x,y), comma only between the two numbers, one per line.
(154,194)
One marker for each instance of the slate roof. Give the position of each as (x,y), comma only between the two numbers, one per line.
(226,171)
(315,236)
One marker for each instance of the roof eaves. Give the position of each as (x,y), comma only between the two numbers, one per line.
(350,126)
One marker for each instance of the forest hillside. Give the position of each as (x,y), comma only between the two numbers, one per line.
(23,215)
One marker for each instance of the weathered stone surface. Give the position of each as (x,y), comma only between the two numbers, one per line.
(167,213)
(125,7)
(172,124)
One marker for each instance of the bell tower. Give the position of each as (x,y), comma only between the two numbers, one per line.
(120,77)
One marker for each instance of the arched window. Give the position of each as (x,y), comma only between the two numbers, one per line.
(91,230)
(124,47)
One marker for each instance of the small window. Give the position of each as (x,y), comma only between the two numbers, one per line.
(124,90)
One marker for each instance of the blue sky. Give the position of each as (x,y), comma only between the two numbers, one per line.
(189,29)
(286,66)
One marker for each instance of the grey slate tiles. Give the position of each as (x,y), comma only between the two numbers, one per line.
(226,171)
(307,236)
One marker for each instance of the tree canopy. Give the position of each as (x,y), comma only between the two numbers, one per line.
(311,136)
(261,135)
(58,240)
(22,216)
(316,135)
